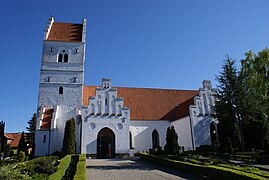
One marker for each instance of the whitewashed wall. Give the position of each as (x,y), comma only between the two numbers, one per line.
(142,133)
(183,129)
(41,148)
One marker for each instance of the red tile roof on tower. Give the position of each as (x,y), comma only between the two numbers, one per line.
(149,103)
(66,32)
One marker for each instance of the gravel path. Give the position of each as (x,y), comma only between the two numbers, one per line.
(130,169)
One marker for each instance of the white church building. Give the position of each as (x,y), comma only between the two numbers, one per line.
(111,121)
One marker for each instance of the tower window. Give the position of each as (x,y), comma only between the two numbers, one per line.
(61,90)
(49,79)
(44,138)
(66,58)
(75,79)
(76,50)
(51,49)
(106,101)
(60,58)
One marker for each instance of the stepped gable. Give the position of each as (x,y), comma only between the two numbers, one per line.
(66,32)
(46,121)
(150,103)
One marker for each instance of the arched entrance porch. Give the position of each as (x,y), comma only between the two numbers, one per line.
(106,143)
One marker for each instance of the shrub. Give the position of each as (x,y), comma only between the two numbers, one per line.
(171,146)
(9,172)
(62,167)
(41,165)
(69,140)
(21,156)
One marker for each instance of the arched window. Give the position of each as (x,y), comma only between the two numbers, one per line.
(213,133)
(155,139)
(60,57)
(131,140)
(66,58)
(44,138)
(61,90)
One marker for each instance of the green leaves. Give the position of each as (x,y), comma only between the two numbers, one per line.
(243,101)
(171,146)
(69,140)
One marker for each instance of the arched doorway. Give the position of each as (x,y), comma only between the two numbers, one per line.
(105,143)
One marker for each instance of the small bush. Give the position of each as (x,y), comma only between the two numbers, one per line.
(41,165)
(10,172)
(21,156)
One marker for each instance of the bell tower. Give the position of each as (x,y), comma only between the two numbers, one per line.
(61,83)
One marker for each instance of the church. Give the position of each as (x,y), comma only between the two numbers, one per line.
(111,121)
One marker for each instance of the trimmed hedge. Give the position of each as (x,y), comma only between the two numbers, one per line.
(214,172)
(71,170)
(62,167)
(81,168)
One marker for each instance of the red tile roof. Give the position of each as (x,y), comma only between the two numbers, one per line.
(180,110)
(15,138)
(148,103)
(46,122)
(65,32)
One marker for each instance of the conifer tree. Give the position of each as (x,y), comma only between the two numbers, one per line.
(227,107)
(22,144)
(30,138)
(2,137)
(69,140)
(171,146)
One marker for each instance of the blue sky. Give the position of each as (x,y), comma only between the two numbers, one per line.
(137,43)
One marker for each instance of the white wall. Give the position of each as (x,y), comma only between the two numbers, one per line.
(142,133)
(41,148)
(183,129)
(91,126)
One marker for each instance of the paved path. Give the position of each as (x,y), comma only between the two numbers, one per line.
(131,169)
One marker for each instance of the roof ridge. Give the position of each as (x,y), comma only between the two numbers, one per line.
(170,89)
